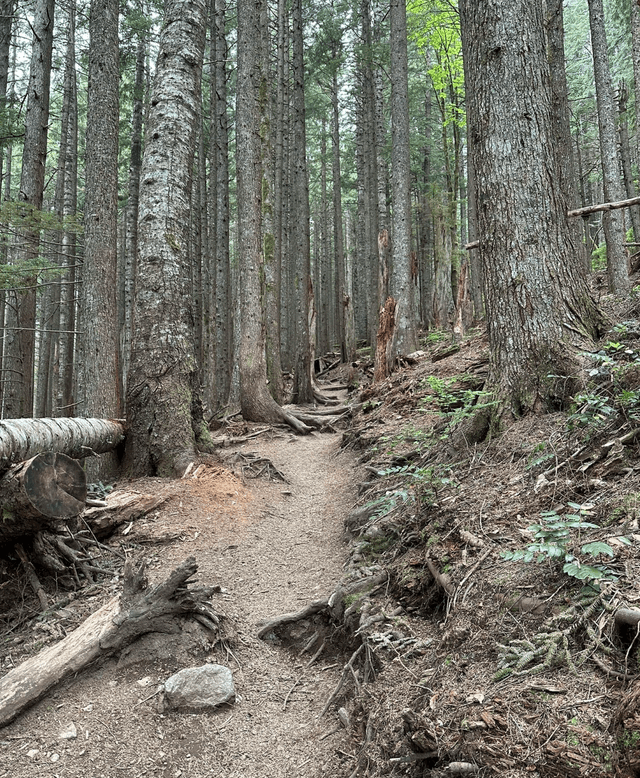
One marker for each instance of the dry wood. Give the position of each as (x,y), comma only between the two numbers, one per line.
(37,493)
(121,507)
(334,604)
(443,580)
(78,438)
(139,609)
(604,207)
(34,581)
(384,340)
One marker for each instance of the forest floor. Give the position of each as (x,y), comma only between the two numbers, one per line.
(483,665)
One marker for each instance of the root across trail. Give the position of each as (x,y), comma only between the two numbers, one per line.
(271,546)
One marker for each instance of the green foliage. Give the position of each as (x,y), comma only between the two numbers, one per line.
(434,25)
(552,539)
(455,404)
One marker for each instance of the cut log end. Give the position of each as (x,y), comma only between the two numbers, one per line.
(56,485)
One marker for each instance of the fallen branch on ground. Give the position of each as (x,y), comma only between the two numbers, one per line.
(138,610)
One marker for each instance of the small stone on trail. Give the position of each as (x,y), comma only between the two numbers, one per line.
(32,753)
(199,688)
(70,733)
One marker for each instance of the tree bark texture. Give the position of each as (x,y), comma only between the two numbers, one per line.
(402,281)
(256,402)
(224,324)
(303,387)
(162,380)
(538,304)
(22,439)
(99,372)
(613,223)
(138,610)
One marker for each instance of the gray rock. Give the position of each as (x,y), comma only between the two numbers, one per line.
(199,688)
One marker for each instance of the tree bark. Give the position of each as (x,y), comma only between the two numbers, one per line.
(617,261)
(256,402)
(162,393)
(138,610)
(22,439)
(99,379)
(303,386)
(20,334)
(402,283)
(539,309)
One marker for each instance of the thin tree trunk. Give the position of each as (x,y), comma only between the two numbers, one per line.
(99,380)
(402,282)
(303,386)
(20,334)
(625,154)
(617,261)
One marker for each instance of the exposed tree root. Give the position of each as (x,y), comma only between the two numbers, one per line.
(138,610)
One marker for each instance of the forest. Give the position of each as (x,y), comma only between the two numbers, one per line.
(341,299)
(200,201)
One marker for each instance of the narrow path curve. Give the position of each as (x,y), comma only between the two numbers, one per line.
(273,547)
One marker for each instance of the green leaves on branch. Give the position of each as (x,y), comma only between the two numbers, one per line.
(552,540)
(434,26)
(23,226)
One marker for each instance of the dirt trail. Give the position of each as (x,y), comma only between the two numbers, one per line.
(273,547)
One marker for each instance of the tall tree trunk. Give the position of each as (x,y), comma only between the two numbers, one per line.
(256,402)
(224,325)
(271,260)
(625,155)
(20,334)
(561,127)
(613,221)
(131,211)
(343,300)
(281,123)
(303,386)
(99,379)
(162,396)
(48,364)
(63,386)
(635,49)
(402,282)
(539,310)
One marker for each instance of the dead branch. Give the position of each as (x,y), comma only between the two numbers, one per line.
(138,610)
(604,207)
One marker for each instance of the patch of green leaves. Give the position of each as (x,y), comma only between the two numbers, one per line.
(552,538)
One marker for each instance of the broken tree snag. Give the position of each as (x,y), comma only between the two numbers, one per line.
(39,492)
(77,438)
(384,340)
(604,207)
(140,609)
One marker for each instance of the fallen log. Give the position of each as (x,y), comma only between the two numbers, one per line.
(40,492)
(138,610)
(22,439)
